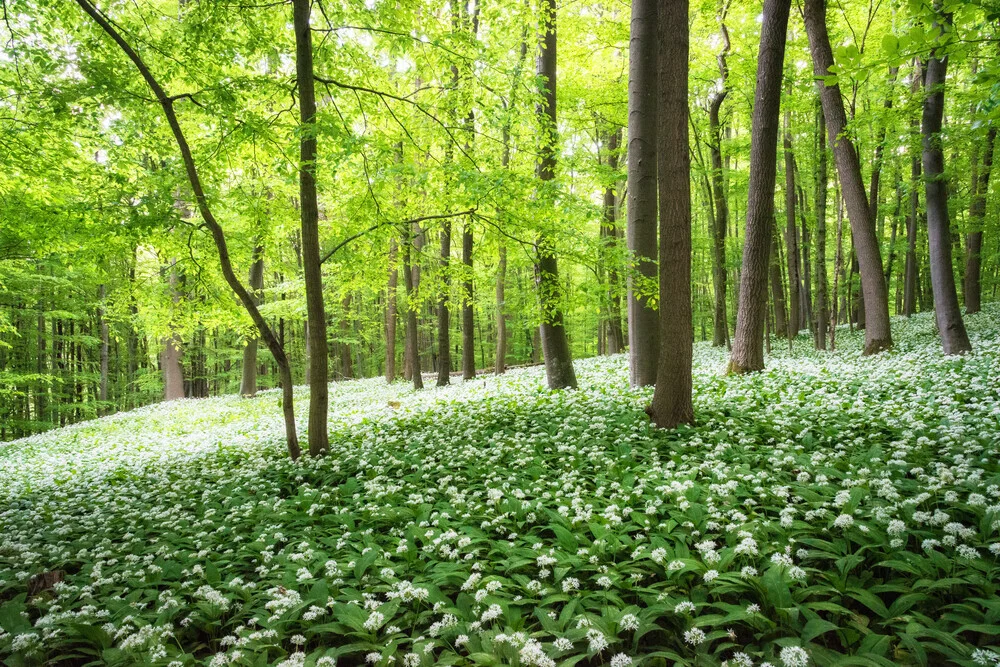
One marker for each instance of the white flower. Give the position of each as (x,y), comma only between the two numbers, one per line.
(621,660)
(694,636)
(710,576)
(629,622)
(843,521)
(685,607)
(375,621)
(794,656)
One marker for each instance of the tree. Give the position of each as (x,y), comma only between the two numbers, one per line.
(672,401)
(791,236)
(641,229)
(558,362)
(822,309)
(974,240)
(720,332)
(748,343)
(218,237)
(947,312)
(248,375)
(878,335)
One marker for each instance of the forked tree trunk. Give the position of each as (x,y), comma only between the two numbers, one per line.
(672,400)
(248,377)
(309,216)
(643,321)
(974,240)
(947,312)
(748,343)
(878,335)
(555,347)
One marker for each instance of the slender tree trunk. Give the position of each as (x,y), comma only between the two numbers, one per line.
(792,254)
(555,346)
(468,315)
(878,335)
(873,197)
(609,242)
(822,312)
(748,344)
(500,364)
(974,240)
(777,285)
(444,324)
(894,228)
(391,317)
(672,400)
(805,260)
(170,356)
(947,312)
(720,330)
(641,231)
(910,278)
(309,215)
(248,377)
(411,352)
(102,327)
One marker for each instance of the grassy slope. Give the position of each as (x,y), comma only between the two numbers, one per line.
(186,535)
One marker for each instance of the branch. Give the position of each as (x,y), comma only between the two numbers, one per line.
(386,223)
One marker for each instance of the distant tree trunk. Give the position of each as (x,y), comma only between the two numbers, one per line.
(947,312)
(391,316)
(894,228)
(672,401)
(468,315)
(792,254)
(822,312)
(777,285)
(974,240)
(748,343)
(248,377)
(641,230)
(720,330)
(873,197)
(102,328)
(805,260)
(500,364)
(309,215)
(444,324)
(346,358)
(878,335)
(170,356)
(411,352)
(609,238)
(555,346)
(910,278)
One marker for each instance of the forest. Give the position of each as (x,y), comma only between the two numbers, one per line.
(512,332)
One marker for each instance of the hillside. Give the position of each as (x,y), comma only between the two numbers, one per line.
(844,505)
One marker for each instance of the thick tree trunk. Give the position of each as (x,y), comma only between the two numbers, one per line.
(720,329)
(878,335)
(672,397)
(822,312)
(643,321)
(391,316)
(309,216)
(444,323)
(947,312)
(555,346)
(248,377)
(468,315)
(748,343)
(791,245)
(974,240)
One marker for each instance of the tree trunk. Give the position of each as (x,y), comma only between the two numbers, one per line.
(792,248)
(170,355)
(720,330)
(309,215)
(672,401)
(444,324)
(878,335)
(822,312)
(500,364)
(391,317)
(102,327)
(947,312)
(609,242)
(777,285)
(974,240)
(910,278)
(346,358)
(468,316)
(748,343)
(248,377)
(411,352)
(641,231)
(555,346)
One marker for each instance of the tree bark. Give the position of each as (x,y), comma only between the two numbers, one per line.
(102,328)
(444,324)
(720,329)
(641,229)
(500,363)
(672,400)
(947,312)
(910,278)
(411,352)
(822,311)
(309,216)
(555,347)
(609,242)
(791,245)
(170,355)
(468,315)
(748,343)
(391,316)
(878,335)
(974,240)
(248,377)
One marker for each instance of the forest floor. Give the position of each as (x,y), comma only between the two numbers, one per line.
(832,505)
